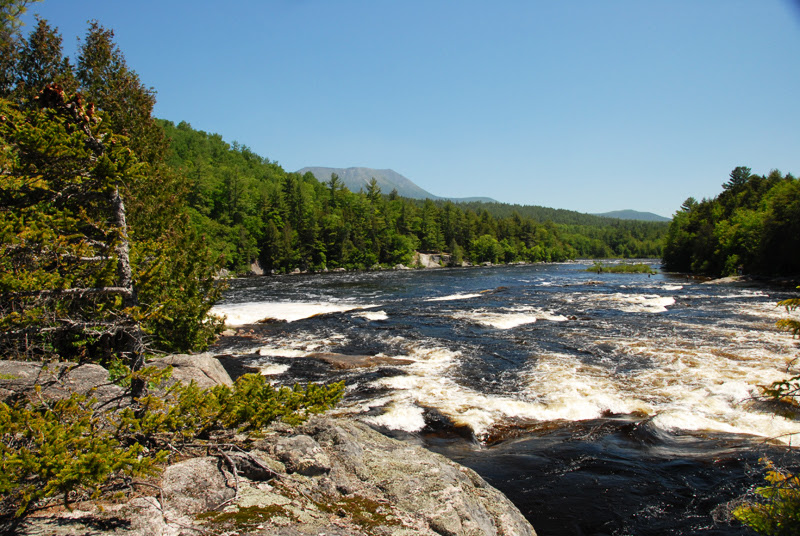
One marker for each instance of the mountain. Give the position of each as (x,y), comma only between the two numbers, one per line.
(357,178)
(633,215)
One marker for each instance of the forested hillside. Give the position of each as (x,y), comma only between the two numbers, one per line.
(251,209)
(753,226)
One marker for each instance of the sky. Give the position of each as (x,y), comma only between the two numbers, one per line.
(582,105)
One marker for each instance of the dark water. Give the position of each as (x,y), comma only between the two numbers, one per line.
(600,404)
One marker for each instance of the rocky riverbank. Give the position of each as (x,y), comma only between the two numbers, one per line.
(327,476)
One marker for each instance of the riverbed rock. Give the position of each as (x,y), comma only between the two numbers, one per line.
(429,260)
(342,361)
(197,485)
(451,499)
(60,379)
(301,454)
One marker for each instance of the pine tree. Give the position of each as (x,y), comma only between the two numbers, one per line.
(66,281)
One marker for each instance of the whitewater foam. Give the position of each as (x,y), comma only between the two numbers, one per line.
(685,384)
(273,369)
(372,316)
(453,297)
(510,318)
(254,312)
(635,303)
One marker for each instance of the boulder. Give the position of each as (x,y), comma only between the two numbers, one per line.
(204,369)
(450,498)
(329,476)
(58,380)
(428,260)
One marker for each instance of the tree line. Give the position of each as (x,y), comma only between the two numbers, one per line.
(752,227)
(252,209)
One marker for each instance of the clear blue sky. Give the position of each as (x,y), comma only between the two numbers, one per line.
(585,105)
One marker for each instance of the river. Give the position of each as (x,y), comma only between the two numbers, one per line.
(599,403)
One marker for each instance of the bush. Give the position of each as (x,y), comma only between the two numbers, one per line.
(73,450)
(777,513)
(187,412)
(59,450)
(639,268)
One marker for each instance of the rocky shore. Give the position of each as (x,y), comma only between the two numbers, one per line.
(328,476)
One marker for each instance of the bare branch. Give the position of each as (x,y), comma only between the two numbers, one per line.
(67,292)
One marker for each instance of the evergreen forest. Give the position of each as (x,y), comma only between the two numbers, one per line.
(751,227)
(252,209)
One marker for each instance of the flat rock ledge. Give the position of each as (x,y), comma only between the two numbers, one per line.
(331,476)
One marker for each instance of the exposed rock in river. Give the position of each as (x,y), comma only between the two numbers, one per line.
(342,361)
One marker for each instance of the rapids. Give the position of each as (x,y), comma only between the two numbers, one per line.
(599,403)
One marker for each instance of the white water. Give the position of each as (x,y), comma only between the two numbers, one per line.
(251,313)
(686,372)
(510,318)
(372,316)
(687,385)
(454,297)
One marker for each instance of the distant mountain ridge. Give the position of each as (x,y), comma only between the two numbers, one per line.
(357,178)
(629,214)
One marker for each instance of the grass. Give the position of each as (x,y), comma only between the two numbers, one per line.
(640,268)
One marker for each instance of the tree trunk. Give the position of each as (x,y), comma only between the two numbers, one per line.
(133,347)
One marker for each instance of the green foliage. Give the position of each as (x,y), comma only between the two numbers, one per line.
(185,412)
(59,239)
(58,450)
(790,324)
(70,169)
(777,513)
(10,13)
(69,448)
(249,208)
(254,403)
(486,248)
(639,268)
(105,79)
(40,62)
(753,226)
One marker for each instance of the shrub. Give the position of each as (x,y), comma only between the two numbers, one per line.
(639,268)
(58,449)
(777,513)
(71,449)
